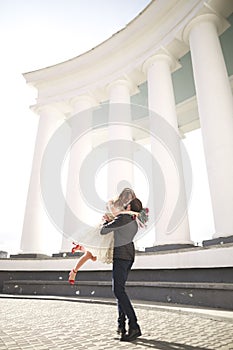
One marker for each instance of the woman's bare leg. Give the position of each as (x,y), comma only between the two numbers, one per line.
(87,255)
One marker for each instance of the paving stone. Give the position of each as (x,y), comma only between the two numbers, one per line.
(62,325)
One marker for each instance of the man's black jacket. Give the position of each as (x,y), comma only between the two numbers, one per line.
(124,228)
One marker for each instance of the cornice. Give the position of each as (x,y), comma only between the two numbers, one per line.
(154,29)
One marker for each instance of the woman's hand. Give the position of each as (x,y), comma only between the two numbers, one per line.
(106,218)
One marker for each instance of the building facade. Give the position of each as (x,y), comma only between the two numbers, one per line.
(169,71)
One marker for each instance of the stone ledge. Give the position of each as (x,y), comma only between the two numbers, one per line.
(29,256)
(196,257)
(169,247)
(193,285)
(214,295)
(218,241)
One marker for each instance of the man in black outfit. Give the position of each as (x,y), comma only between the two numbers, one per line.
(125,228)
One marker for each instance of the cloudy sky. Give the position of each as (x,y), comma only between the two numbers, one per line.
(38,33)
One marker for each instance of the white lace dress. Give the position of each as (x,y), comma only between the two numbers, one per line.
(99,245)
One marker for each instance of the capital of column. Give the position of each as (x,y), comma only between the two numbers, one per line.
(220,23)
(164,57)
(122,82)
(82,102)
(53,107)
(58,110)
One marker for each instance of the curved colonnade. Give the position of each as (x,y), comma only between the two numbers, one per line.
(147,50)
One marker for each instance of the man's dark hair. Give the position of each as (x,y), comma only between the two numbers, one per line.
(136,205)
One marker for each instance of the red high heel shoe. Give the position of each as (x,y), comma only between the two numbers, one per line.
(77,247)
(70,280)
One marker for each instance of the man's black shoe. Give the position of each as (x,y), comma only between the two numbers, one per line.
(132,335)
(121,331)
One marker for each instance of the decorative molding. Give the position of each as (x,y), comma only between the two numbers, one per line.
(187,115)
(61,106)
(221,24)
(84,98)
(157,30)
(125,81)
(162,55)
(153,29)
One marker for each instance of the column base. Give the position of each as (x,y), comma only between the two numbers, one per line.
(3,254)
(216,241)
(67,255)
(163,247)
(29,256)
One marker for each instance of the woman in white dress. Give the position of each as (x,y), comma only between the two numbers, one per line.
(100,247)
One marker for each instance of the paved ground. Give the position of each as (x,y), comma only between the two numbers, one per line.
(58,324)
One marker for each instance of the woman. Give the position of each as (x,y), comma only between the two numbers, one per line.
(99,247)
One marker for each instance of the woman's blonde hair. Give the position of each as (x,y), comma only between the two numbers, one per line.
(126,196)
(114,203)
(117,204)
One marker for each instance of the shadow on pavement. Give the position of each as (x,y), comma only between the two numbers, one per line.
(164,345)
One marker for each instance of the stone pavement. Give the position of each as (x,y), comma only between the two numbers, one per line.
(42,324)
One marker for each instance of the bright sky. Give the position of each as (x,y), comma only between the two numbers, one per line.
(38,33)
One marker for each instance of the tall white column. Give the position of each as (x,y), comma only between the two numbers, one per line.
(172,225)
(215,105)
(82,108)
(34,233)
(120,171)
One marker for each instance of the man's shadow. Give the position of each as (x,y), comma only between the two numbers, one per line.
(164,345)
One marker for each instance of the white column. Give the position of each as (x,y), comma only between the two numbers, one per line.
(170,228)
(82,108)
(120,172)
(215,105)
(34,233)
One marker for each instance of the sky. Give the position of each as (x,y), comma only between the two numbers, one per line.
(38,33)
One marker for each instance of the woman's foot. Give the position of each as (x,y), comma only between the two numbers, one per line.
(72,276)
(77,247)
(93,258)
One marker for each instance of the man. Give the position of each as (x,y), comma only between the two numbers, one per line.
(125,228)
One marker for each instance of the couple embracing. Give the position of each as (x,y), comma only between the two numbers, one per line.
(121,224)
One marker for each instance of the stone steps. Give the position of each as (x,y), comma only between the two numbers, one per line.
(204,287)
(218,295)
